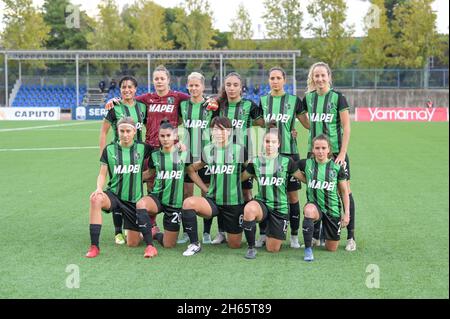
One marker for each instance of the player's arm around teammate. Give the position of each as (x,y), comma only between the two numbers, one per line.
(124,161)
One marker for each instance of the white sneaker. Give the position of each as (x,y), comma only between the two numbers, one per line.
(261,241)
(315,242)
(294,241)
(351,245)
(192,250)
(220,238)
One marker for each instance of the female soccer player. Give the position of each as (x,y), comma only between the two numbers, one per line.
(273,172)
(196,119)
(225,161)
(242,113)
(328,113)
(123,160)
(168,165)
(127,107)
(326,183)
(284,108)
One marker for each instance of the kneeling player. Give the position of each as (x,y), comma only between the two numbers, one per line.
(273,172)
(168,164)
(326,184)
(124,161)
(224,197)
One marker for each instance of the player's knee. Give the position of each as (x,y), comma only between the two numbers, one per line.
(234,244)
(272,249)
(96,201)
(132,242)
(250,211)
(141,204)
(293,197)
(309,211)
(189,203)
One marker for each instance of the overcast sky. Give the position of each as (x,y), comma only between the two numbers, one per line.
(225,11)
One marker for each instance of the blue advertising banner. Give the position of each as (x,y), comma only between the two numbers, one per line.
(89,113)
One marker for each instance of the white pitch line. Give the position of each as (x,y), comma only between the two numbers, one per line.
(44,126)
(48,149)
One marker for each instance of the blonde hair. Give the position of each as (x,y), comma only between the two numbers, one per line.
(310,82)
(197,76)
(127,121)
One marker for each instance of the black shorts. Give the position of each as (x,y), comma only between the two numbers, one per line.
(232,215)
(347,163)
(206,178)
(277,223)
(293,184)
(127,209)
(331,225)
(172,216)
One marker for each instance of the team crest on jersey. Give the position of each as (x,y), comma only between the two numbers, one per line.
(287,106)
(333,174)
(170,100)
(280,168)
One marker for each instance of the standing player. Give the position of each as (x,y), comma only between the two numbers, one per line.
(196,120)
(128,107)
(225,161)
(123,161)
(326,188)
(168,165)
(273,172)
(242,113)
(284,108)
(163,104)
(328,113)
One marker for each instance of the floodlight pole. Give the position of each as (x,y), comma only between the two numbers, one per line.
(293,75)
(221,70)
(77,81)
(148,73)
(6,79)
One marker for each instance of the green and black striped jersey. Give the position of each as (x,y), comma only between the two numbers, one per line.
(272,175)
(241,115)
(324,116)
(138,112)
(322,184)
(169,179)
(284,110)
(125,169)
(196,120)
(225,165)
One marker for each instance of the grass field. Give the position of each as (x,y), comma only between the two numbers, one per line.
(399,181)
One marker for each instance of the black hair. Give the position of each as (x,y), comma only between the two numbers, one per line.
(128,78)
(277,68)
(165,124)
(271,127)
(222,122)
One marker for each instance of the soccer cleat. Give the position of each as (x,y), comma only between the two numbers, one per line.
(351,245)
(150,251)
(155,230)
(219,239)
(294,241)
(184,239)
(251,253)
(93,251)
(206,238)
(308,254)
(119,239)
(261,241)
(192,249)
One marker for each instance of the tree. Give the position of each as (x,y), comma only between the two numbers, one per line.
(390,5)
(415,23)
(24,26)
(376,47)
(283,20)
(68,25)
(110,33)
(334,40)
(193,26)
(146,21)
(241,37)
